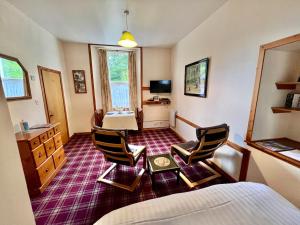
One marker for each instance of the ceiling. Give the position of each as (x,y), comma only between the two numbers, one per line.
(153,22)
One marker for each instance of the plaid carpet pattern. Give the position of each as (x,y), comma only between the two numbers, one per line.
(75,197)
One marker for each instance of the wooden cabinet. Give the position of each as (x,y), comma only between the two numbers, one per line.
(42,155)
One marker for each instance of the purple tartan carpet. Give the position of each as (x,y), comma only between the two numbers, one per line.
(75,197)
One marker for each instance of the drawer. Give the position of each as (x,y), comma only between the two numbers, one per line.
(49,147)
(57,129)
(39,155)
(46,170)
(43,137)
(50,133)
(57,140)
(58,156)
(35,142)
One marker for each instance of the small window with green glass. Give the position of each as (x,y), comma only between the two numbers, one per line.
(14,79)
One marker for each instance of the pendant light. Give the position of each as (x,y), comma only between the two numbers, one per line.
(127,39)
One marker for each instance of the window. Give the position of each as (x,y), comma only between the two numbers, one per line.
(14,79)
(118,75)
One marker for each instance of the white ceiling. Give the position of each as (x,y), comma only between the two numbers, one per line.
(153,22)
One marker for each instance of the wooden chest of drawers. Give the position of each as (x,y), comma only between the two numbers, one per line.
(42,155)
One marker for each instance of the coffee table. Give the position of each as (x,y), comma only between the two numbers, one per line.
(162,163)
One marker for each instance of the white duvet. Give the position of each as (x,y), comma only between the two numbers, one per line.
(242,203)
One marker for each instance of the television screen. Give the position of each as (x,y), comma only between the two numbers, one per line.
(160,86)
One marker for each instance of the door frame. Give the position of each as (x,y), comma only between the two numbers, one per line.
(40,69)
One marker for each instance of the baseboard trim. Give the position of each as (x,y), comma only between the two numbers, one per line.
(155,128)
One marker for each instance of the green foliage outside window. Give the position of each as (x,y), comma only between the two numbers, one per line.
(118,66)
(11,69)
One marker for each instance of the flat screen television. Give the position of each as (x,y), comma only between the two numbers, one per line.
(160,86)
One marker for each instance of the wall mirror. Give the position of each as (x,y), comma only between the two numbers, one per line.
(14,78)
(274,123)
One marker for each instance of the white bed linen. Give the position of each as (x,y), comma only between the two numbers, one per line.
(241,203)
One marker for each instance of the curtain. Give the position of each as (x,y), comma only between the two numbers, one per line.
(105,85)
(132,80)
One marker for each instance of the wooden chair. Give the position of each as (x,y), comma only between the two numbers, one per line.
(139,115)
(98,115)
(113,144)
(209,140)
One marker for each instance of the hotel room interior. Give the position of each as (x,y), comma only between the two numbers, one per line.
(149,112)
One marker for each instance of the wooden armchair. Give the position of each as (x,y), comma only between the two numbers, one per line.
(139,115)
(113,144)
(98,115)
(209,140)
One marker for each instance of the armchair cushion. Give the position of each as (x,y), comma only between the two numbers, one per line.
(137,151)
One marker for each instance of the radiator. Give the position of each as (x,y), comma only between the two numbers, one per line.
(173,113)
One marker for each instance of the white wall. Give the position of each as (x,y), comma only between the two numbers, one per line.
(231,38)
(156,66)
(15,207)
(278,66)
(32,45)
(77,58)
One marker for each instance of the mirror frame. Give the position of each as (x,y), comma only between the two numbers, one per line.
(26,76)
(259,69)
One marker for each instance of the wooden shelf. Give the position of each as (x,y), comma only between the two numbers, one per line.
(284,110)
(156,103)
(287,85)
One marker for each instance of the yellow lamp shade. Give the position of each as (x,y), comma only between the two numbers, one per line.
(127,40)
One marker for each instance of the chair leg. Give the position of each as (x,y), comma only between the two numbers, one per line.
(130,188)
(192,184)
(145,159)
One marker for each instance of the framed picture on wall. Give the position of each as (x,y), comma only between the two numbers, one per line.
(196,75)
(79,81)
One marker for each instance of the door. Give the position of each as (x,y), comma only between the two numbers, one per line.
(54,99)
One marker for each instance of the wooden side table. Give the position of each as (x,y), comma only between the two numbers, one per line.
(160,164)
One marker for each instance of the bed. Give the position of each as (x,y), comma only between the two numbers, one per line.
(238,203)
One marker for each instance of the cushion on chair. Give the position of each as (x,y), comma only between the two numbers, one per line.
(189,146)
(137,151)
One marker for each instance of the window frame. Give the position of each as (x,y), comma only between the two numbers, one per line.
(110,81)
(259,73)
(26,77)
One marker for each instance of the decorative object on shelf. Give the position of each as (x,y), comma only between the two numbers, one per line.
(196,75)
(24,126)
(79,81)
(156,98)
(161,101)
(292,100)
(127,39)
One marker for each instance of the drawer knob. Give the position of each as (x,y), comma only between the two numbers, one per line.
(40,154)
(58,157)
(46,170)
